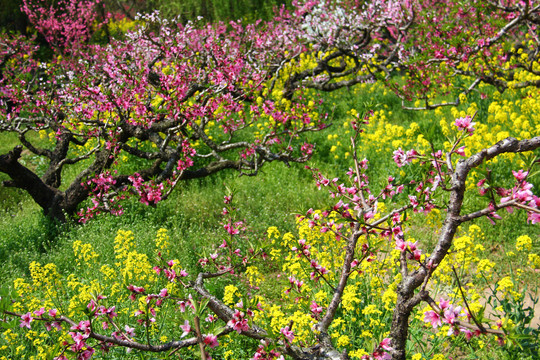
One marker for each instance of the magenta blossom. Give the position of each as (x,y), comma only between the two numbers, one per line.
(289,334)
(433,317)
(385,344)
(129,331)
(315,308)
(39,312)
(26,319)
(402,158)
(211,340)
(186,328)
(238,322)
(520,175)
(465,124)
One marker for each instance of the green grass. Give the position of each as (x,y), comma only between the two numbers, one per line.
(191,214)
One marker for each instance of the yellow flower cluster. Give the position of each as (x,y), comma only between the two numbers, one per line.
(122,26)
(523,242)
(231,293)
(254,275)
(534,261)
(84,253)
(514,113)
(71,294)
(363,316)
(364,311)
(134,267)
(162,241)
(505,285)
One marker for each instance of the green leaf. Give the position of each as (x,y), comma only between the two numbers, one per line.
(13,324)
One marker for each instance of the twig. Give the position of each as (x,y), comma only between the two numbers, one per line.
(199,337)
(479,324)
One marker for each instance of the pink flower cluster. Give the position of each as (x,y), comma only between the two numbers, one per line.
(263,353)
(402,158)
(521,194)
(68,24)
(287,333)
(465,124)
(409,247)
(149,192)
(81,333)
(239,322)
(448,314)
(152,301)
(51,317)
(167,270)
(102,196)
(295,284)
(210,340)
(318,270)
(381,352)
(315,308)
(234,228)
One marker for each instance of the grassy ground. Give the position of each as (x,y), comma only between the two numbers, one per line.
(192,215)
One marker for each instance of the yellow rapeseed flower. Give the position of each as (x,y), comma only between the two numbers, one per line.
(358,354)
(505,284)
(343,340)
(230,293)
(523,242)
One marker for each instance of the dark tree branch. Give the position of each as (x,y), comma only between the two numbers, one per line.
(406,296)
(44,195)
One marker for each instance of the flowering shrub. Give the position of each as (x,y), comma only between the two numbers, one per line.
(169,102)
(192,99)
(480,42)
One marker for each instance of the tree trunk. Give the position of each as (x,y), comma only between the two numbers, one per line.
(51,200)
(400,327)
